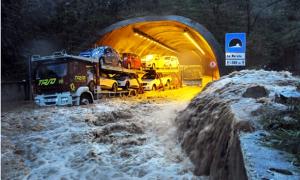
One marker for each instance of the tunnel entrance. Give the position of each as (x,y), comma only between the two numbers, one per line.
(193,44)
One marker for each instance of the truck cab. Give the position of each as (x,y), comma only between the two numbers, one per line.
(64,80)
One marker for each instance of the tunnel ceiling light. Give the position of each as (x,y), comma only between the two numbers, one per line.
(188,35)
(145,36)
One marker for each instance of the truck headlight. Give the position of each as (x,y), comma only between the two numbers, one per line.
(64,99)
(37,101)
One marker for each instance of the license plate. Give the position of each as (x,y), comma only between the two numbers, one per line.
(50,100)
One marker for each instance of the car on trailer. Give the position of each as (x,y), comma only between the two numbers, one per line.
(127,81)
(108,83)
(131,61)
(153,80)
(153,61)
(105,54)
(171,61)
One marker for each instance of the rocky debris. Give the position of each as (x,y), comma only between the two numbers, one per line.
(76,138)
(12,163)
(104,118)
(122,114)
(255,92)
(117,127)
(210,128)
(19,151)
(125,154)
(281,171)
(118,133)
(131,142)
(291,99)
(37,127)
(131,128)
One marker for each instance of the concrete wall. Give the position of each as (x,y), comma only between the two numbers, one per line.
(13,91)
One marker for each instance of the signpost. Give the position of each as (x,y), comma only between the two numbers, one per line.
(235,49)
(212,65)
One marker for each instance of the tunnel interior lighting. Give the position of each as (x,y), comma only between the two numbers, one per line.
(192,40)
(147,37)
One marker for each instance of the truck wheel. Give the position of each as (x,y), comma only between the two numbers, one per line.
(133,93)
(154,87)
(101,62)
(92,87)
(141,90)
(114,87)
(153,66)
(85,99)
(126,86)
(168,85)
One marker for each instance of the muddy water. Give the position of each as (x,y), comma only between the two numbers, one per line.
(116,139)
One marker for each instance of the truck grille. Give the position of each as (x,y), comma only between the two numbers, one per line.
(52,89)
(50,97)
(50,103)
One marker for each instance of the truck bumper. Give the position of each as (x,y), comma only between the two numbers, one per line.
(147,88)
(60,99)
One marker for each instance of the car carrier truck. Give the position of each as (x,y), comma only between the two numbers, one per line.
(63,79)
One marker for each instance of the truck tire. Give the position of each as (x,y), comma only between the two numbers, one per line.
(126,86)
(85,99)
(154,87)
(153,66)
(168,86)
(101,62)
(114,87)
(91,86)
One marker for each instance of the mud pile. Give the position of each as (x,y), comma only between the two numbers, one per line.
(212,129)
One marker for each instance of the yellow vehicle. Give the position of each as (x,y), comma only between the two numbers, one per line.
(153,61)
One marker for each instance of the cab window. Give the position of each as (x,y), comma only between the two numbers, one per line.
(107,51)
(104,75)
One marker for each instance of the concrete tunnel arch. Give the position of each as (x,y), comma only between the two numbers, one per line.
(169,31)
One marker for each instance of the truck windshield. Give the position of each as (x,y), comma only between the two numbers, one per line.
(51,70)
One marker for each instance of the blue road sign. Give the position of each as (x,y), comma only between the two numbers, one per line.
(235,49)
(235,42)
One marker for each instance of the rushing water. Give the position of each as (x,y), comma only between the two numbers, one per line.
(110,140)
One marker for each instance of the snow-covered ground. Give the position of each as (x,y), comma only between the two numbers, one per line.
(118,138)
